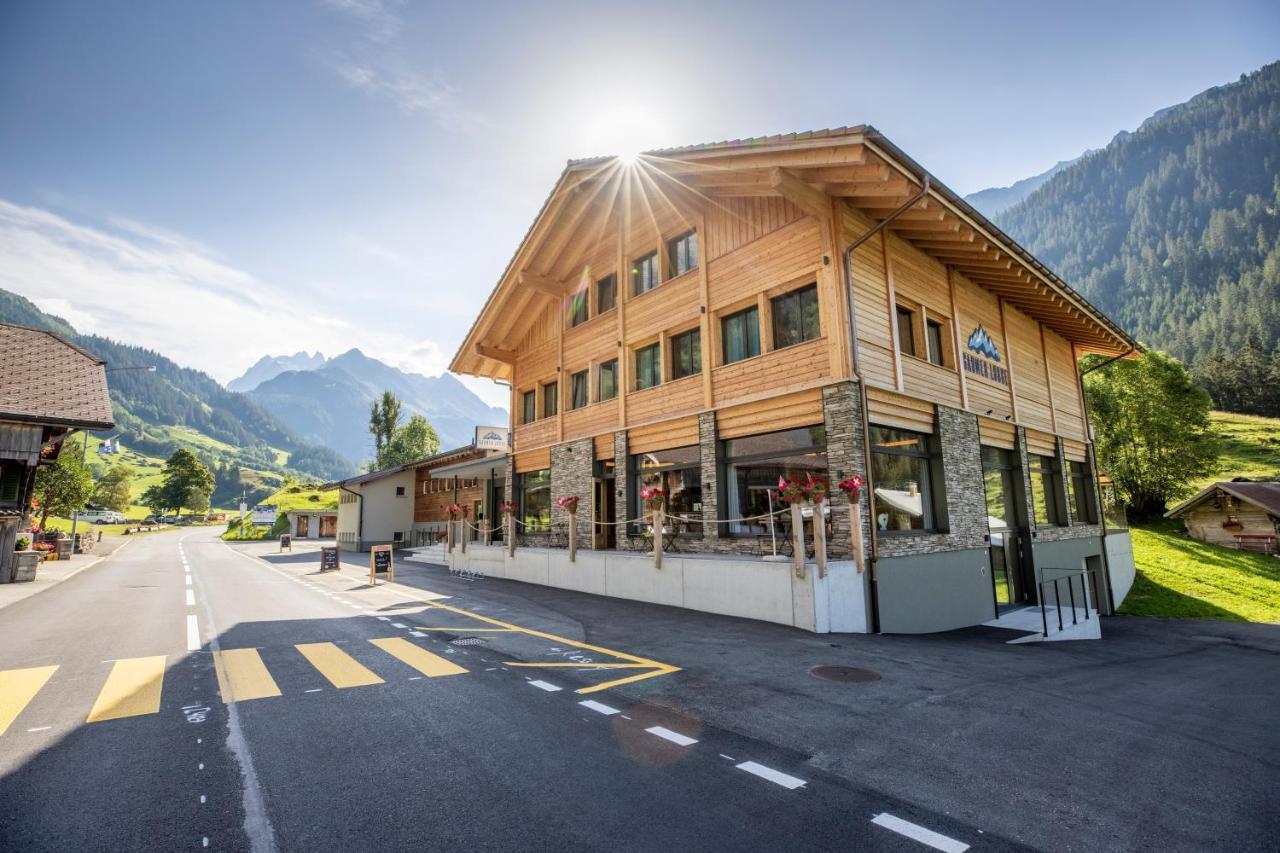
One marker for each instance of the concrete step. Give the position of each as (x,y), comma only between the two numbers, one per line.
(1029,622)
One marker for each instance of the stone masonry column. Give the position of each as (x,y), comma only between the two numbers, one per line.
(622,510)
(573,473)
(708,452)
(842,419)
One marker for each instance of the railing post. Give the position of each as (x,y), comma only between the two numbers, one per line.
(487,532)
(1085,590)
(462,533)
(820,539)
(1044,616)
(797,538)
(657,535)
(448,536)
(1057,600)
(573,537)
(1071,591)
(855,531)
(510,533)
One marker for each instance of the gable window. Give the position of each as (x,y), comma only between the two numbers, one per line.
(400,491)
(608,380)
(644,273)
(933,340)
(907,471)
(550,399)
(686,354)
(1083,505)
(906,330)
(740,334)
(529,407)
(1047,502)
(578,308)
(795,316)
(578,389)
(648,367)
(606,293)
(682,254)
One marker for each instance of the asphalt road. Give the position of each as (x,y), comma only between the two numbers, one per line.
(379,719)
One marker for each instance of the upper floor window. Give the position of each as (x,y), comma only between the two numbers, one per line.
(933,334)
(529,407)
(686,354)
(648,367)
(682,253)
(578,308)
(578,389)
(644,273)
(740,334)
(606,293)
(608,380)
(906,330)
(550,399)
(795,316)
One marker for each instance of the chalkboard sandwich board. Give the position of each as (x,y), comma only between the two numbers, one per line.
(286,541)
(380,563)
(329,558)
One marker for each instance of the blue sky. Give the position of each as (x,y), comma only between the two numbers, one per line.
(223,180)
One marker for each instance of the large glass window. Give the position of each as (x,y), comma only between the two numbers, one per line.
(606,293)
(679,471)
(579,389)
(1083,504)
(578,308)
(1047,502)
(644,273)
(686,354)
(906,330)
(752,466)
(534,493)
(906,472)
(550,399)
(740,334)
(608,380)
(682,253)
(529,407)
(648,366)
(795,317)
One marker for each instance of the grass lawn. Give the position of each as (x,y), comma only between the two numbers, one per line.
(1182,578)
(1250,448)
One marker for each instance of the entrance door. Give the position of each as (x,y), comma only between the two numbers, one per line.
(328,526)
(497,492)
(605,534)
(1007,525)
(304,523)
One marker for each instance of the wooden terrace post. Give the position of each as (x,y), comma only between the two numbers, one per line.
(448,535)
(463,532)
(573,537)
(797,538)
(855,531)
(820,539)
(657,535)
(510,533)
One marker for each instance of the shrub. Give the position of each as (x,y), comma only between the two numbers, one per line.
(22,544)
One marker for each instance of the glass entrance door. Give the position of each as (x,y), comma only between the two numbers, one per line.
(1007,526)
(605,532)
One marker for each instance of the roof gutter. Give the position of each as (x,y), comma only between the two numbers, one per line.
(855,366)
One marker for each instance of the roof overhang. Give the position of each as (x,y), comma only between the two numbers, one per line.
(857,166)
(487,468)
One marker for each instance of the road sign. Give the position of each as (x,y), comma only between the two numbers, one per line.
(264,514)
(380,563)
(328,558)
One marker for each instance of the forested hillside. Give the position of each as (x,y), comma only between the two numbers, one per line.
(158,412)
(1174,230)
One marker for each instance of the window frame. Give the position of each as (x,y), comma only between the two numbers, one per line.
(579,380)
(656,349)
(646,263)
(798,293)
(551,398)
(688,242)
(610,366)
(930,324)
(636,473)
(933,500)
(677,342)
(1049,479)
(1083,498)
(612,279)
(529,406)
(522,493)
(907,313)
(725,320)
(580,299)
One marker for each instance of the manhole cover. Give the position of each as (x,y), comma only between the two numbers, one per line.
(846,673)
(467,641)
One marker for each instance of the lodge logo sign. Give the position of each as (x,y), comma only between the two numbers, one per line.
(983,358)
(490,438)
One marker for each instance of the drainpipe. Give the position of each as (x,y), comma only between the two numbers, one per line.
(360,519)
(1093,462)
(862,388)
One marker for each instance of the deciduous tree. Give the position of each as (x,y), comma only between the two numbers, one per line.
(65,486)
(115,489)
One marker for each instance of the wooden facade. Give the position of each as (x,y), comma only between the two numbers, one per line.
(947,310)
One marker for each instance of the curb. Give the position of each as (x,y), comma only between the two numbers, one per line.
(88,565)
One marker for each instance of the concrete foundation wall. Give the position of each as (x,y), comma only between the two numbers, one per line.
(748,588)
(941,591)
(1119,547)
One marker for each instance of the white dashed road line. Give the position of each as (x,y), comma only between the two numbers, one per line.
(544,685)
(599,707)
(191,598)
(675,737)
(916,832)
(774,776)
(193,633)
(398,625)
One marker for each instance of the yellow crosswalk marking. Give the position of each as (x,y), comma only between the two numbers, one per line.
(243,676)
(340,668)
(417,657)
(17,688)
(132,688)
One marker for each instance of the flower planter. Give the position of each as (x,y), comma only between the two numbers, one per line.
(26,565)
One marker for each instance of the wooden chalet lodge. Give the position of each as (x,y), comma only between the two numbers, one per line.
(712,317)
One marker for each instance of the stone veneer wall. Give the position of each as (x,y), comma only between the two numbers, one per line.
(842,417)
(966,500)
(573,473)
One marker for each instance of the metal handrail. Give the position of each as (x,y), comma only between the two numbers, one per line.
(1057,597)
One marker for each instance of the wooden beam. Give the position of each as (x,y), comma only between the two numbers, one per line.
(541,284)
(505,356)
(811,201)
(844,174)
(870,189)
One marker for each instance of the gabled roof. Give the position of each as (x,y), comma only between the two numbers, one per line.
(856,164)
(47,380)
(1265,496)
(430,461)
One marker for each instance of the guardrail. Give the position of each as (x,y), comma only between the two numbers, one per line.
(1057,596)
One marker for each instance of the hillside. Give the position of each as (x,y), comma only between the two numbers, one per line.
(330,405)
(1174,229)
(994,200)
(158,412)
(270,366)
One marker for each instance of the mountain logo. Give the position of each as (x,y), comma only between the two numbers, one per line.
(981,343)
